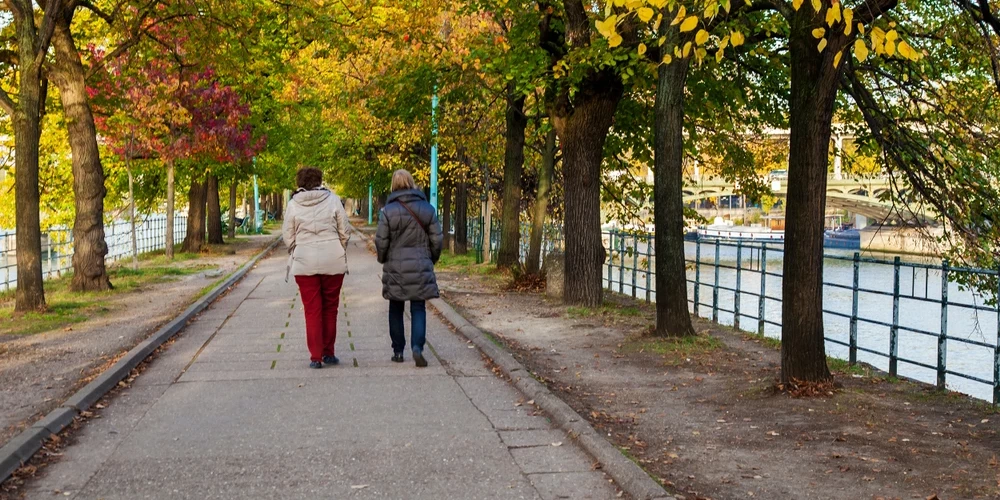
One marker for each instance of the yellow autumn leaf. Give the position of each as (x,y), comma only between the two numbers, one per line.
(711,10)
(891,36)
(687,49)
(836,59)
(890,48)
(619,3)
(667,59)
(642,49)
(681,13)
(656,25)
(689,24)
(724,43)
(700,53)
(861,29)
(849,17)
(832,14)
(796,4)
(614,40)
(659,4)
(719,55)
(701,37)
(633,4)
(645,14)
(817,5)
(737,38)
(677,51)
(819,32)
(662,40)
(860,50)
(908,52)
(822,45)
(607,27)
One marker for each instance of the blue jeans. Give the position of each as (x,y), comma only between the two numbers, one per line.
(418,325)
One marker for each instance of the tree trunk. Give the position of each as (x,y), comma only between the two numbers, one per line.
(446,214)
(131,213)
(89,245)
(195,237)
(251,210)
(171,201)
(672,317)
(487,209)
(232,210)
(509,254)
(279,202)
(541,208)
(214,212)
(462,218)
(813,93)
(582,131)
(30,295)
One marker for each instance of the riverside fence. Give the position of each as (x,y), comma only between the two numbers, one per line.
(57,246)
(912,319)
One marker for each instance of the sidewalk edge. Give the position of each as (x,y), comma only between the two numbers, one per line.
(629,476)
(19,450)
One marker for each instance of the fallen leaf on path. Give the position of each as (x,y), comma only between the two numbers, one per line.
(358,486)
(558,443)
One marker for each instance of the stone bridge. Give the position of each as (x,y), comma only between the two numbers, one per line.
(860,196)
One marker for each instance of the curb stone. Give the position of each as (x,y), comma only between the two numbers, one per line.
(23,446)
(629,476)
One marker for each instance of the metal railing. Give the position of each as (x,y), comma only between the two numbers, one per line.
(552,239)
(57,246)
(912,319)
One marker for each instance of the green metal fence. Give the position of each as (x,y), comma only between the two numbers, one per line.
(743,283)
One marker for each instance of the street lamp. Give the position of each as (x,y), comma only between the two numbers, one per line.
(444,33)
(434,151)
(256,199)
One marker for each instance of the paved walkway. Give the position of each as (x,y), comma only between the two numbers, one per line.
(232,410)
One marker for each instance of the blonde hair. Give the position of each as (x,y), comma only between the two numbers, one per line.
(401,179)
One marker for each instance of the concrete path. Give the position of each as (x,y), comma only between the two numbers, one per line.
(232,410)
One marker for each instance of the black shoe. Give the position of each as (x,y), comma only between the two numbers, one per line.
(315,364)
(418,358)
(331,360)
(397,357)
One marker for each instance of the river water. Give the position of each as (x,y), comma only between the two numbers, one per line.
(919,307)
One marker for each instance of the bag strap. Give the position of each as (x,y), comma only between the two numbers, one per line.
(422,226)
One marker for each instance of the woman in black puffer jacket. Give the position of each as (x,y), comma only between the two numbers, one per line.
(408,242)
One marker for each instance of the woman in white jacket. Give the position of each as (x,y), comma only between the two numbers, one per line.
(316,233)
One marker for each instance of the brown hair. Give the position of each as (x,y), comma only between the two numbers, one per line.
(401,179)
(309,178)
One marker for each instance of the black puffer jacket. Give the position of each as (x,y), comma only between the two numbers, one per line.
(408,253)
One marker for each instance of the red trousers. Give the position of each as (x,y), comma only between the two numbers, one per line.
(321,301)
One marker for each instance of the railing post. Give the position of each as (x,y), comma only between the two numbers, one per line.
(996,351)
(611,258)
(649,267)
(621,264)
(942,355)
(739,275)
(635,262)
(763,289)
(894,330)
(855,286)
(715,288)
(697,275)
